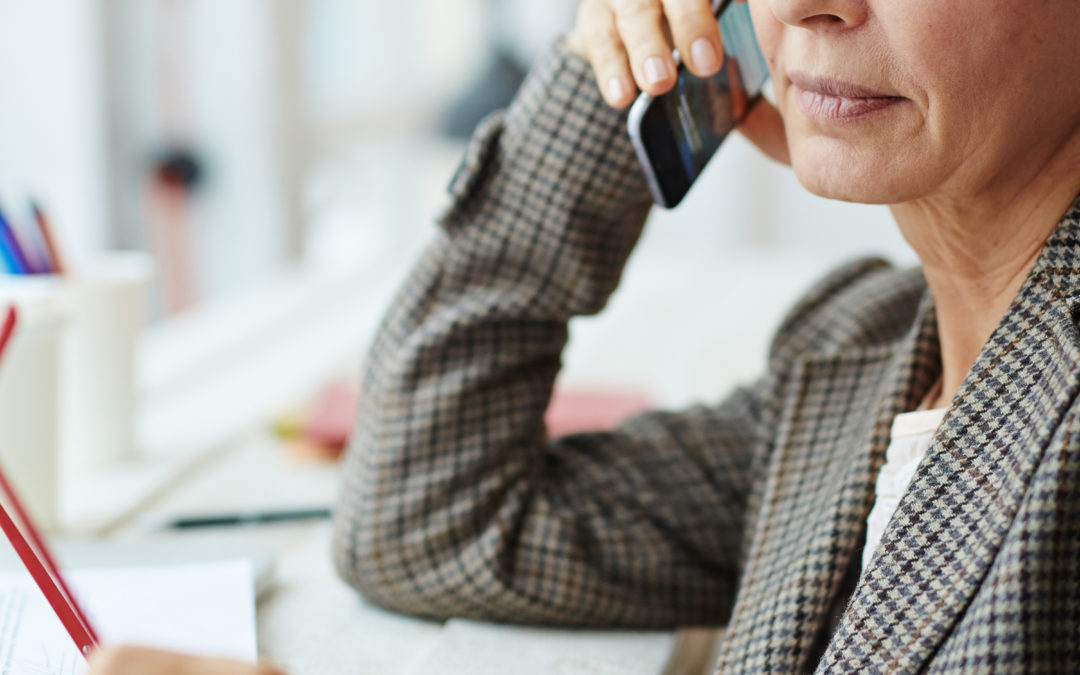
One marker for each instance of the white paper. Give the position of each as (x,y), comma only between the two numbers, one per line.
(473,648)
(206,609)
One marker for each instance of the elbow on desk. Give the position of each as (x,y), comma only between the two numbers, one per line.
(432,572)
(386,570)
(415,547)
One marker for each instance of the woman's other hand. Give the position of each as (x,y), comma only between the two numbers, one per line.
(140,661)
(629,44)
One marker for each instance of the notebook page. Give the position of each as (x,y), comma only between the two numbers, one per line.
(206,608)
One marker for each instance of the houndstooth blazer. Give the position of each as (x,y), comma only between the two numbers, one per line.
(749,513)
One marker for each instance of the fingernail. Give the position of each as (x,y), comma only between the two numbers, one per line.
(704,55)
(656,70)
(616,89)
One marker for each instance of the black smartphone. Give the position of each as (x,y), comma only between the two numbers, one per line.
(676,134)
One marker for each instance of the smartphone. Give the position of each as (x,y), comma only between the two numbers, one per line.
(676,134)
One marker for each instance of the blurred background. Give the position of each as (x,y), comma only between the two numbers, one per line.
(281,162)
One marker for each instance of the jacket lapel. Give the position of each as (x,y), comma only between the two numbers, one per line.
(819,492)
(962,501)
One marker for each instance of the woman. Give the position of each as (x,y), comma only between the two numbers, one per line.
(795,512)
(754,512)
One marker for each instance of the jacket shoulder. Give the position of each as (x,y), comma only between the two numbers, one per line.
(863,303)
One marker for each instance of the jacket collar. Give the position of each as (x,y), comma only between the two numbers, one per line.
(820,488)
(962,501)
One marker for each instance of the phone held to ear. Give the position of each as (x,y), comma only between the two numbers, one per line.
(676,134)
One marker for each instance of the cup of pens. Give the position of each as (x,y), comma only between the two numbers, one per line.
(30,395)
(104,299)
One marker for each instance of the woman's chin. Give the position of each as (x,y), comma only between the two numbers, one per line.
(843,188)
(838,173)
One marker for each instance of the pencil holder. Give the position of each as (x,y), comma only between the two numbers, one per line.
(107,299)
(30,416)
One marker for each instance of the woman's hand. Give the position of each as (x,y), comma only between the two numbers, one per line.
(629,43)
(139,661)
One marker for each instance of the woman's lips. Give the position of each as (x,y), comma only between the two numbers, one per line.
(836,100)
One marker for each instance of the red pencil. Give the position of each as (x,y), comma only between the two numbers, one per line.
(7,329)
(36,557)
(62,604)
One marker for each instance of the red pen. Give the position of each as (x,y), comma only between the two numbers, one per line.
(35,554)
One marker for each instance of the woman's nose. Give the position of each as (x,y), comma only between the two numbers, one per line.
(820,14)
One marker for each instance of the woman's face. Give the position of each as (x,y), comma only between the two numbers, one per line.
(893,100)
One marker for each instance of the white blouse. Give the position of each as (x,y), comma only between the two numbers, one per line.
(911,436)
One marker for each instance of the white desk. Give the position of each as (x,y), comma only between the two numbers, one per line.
(312,623)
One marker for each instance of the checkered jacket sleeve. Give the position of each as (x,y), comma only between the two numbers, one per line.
(454,500)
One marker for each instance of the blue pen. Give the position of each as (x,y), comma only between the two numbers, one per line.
(10,250)
(33,248)
(11,263)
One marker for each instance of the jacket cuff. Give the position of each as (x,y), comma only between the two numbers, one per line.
(558,129)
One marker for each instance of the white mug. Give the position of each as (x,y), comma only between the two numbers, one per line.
(108,313)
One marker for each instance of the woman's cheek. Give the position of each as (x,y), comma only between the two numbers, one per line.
(766,27)
(768,31)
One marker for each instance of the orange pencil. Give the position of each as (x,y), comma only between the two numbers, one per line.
(53,251)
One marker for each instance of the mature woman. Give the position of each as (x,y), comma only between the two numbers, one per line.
(898,492)
(806,512)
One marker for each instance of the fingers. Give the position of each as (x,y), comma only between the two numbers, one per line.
(139,661)
(696,35)
(764,126)
(641,26)
(605,51)
(629,44)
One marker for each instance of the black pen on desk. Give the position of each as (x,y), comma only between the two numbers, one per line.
(242,518)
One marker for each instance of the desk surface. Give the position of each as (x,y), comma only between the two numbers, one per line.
(311,622)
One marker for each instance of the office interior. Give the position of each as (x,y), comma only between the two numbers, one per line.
(261,174)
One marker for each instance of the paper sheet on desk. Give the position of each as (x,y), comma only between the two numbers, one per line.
(474,648)
(200,608)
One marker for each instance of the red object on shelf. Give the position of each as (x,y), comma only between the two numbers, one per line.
(330,421)
(324,429)
(574,411)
